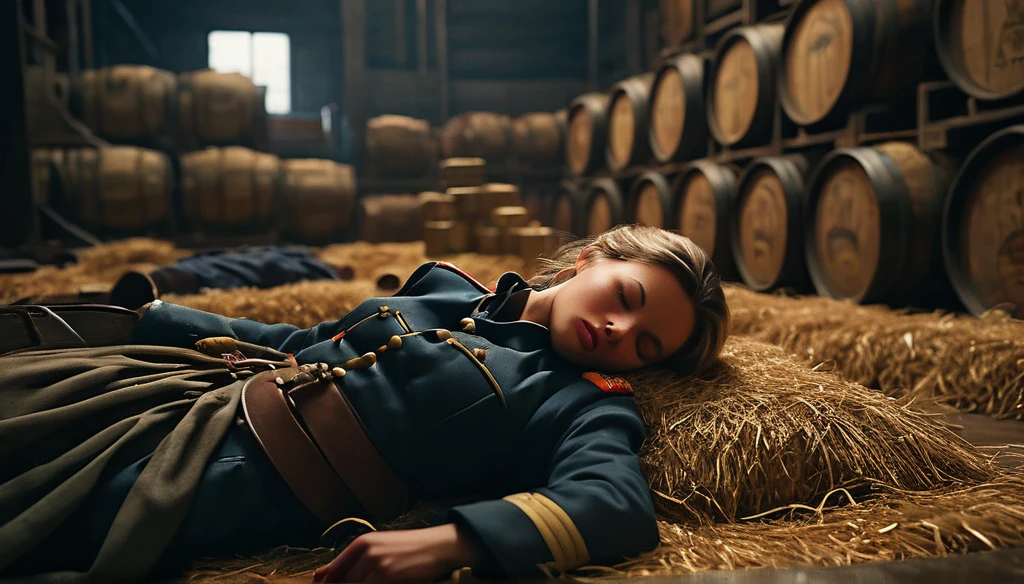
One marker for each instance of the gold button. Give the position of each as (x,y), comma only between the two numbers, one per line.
(382,348)
(338,372)
(370,358)
(395,342)
(443,335)
(480,354)
(468,325)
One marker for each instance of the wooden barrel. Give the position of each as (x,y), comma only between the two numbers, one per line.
(742,94)
(983,225)
(650,201)
(118,190)
(567,208)
(629,122)
(873,218)
(603,207)
(535,199)
(979,44)
(43,100)
(318,200)
(840,54)
(129,103)
(400,145)
(538,139)
(717,8)
(678,130)
(477,134)
(588,133)
(231,189)
(704,195)
(676,22)
(220,109)
(768,234)
(384,218)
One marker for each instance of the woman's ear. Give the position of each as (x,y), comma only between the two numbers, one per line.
(585,257)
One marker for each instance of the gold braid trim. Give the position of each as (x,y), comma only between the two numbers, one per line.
(556,528)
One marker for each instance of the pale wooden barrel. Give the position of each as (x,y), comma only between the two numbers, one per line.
(678,125)
(704,199)
(768,236)
(628,122)
(588,133)
(121,189)
(983,225)
(650,201)
(603,207)
(840,54)
(873,223)
(129,103)
(400,145)
(676,21)
(566,209)
(318,200)
(538,139)
(979,43)
(384,218)
(220,109)
(231,189)
(741,109)
(477,134)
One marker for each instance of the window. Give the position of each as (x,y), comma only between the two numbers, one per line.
(265,57)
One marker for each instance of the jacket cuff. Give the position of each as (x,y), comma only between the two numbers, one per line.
(171,325)
(524,531)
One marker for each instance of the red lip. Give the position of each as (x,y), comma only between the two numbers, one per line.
(587,334)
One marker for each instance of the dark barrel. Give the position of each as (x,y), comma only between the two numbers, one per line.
(742,94)
(400,145)
(839,54)
(678,129)
(588,133)
(484,135)
(983,225)
(564,214)
(768,235)
(602,207)
(650,201)
(628,122)
(704,196)
(538,139)
(980,44)
(873,218)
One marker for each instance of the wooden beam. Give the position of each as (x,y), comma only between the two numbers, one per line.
(88,54)
(74,63)
(18,223)
(401,52)
(592,43)
(441,26)
(634,36)
(422,55)
(353,38)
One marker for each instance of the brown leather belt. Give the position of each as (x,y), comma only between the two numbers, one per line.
(315,440)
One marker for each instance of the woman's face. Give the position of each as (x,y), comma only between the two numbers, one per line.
(617,315)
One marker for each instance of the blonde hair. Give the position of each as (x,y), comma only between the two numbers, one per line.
(683,258)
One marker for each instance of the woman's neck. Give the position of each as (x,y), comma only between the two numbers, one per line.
(538,306)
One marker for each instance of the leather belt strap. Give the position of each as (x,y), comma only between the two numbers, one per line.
(291,451)
(315,440)
(340,436)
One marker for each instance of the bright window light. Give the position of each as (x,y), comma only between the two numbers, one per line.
(264,57)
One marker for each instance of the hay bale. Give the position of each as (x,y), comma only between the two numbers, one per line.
(973,364)
(763,431)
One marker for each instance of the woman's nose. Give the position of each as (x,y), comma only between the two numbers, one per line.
(614,332)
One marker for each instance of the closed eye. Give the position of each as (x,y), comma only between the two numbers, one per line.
(622,298)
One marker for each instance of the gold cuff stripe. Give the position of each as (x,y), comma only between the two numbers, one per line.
(556,527)
(582,555)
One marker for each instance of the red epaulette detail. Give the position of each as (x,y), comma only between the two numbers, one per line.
(469,278)
(609,384)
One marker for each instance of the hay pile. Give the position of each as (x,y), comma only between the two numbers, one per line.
(974,364)
(98,267)
(762,431)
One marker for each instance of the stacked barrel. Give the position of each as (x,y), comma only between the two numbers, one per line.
(189,156)
(844,147)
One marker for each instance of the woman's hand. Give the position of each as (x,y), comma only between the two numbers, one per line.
(401,556)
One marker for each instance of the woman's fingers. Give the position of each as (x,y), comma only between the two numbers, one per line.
(338,569)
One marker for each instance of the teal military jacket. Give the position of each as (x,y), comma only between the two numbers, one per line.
(497,417)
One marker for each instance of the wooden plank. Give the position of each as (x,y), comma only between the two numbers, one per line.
(421,37)
(593,27)
(441,28)
(353,36)
(18,222)
(492,35)
(88,48)
(634,36)
(74,63)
